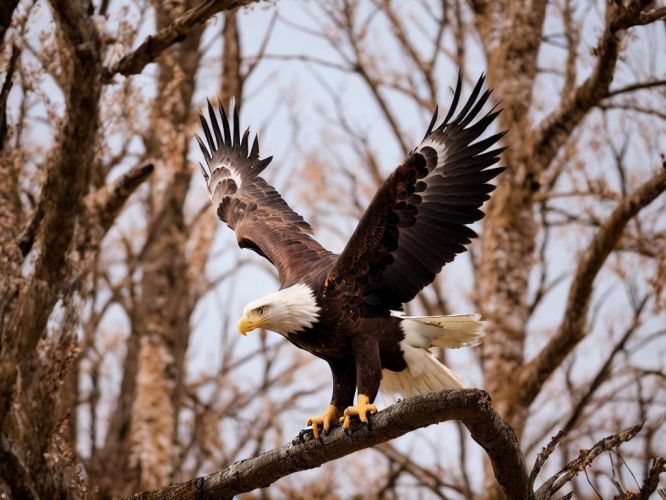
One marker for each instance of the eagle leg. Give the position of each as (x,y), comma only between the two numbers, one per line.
(368,375)
(362,408)
(344,386)
(329,417)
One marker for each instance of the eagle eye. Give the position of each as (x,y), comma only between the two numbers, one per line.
(260,310)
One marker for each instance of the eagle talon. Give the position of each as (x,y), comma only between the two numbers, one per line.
(349,433)
(303,433)
(362,408)
(328,418)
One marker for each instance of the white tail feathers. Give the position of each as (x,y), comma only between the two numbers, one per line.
(429,376)
(424,372)
(451,332)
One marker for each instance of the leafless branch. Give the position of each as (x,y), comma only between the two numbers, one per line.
(134,62)
(107,201)
(425,476)
(604,370)
(652,479)
(585,458)
(4,93)
(543,456)
(556,127)
(658,14)
(471,406)
(636,86)
(572,330)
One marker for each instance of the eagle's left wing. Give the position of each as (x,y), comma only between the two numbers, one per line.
(261,219)
(418,219)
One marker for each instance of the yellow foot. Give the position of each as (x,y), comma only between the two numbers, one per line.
(362,408)
(330,415)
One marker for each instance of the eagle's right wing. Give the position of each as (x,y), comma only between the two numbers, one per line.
(256,212)
(418,220)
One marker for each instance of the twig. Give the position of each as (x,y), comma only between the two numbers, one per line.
(585,458)
(605,369)
(636,86)
(544,454)
(425,476)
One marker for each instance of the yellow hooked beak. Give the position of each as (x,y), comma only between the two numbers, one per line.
(245,325)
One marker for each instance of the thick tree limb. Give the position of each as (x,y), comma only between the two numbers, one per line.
(9,199)
(67,176)
(27,303)
(134,62)
(556,127)
(471,406)
(572,330)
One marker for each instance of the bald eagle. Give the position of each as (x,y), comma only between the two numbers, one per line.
(346,308)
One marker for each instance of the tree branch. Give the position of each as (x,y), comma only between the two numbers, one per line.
(652,479)
(4,93)
(134,62)
(6,12)
(585,458)
(556,127)
(636,86)
(572,330)
(604,370)
(107,201)
(543,456)
(471,406)
(652,16)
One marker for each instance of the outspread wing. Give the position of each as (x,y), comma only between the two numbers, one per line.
(261,219)
(417,221)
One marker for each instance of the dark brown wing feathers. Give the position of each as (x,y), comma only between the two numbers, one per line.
(416,223)
(261,219)
(417,220)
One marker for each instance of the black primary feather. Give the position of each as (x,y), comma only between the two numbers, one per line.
(224,143)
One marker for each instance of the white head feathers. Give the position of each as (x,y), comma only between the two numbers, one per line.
(290,310)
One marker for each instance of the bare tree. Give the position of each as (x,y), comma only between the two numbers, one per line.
(109,249)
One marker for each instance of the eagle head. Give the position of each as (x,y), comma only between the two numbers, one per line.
(290,310)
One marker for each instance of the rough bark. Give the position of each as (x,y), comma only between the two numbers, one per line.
(26,304)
